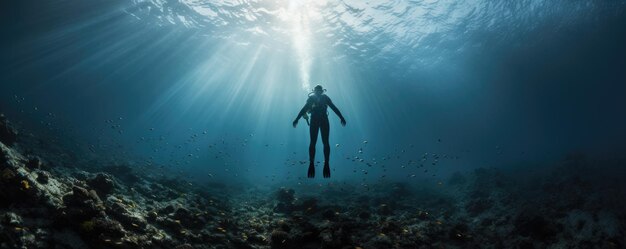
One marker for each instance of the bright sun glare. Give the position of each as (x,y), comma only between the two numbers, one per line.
(299,16)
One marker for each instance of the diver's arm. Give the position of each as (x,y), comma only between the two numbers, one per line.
(336,110)
(302,112)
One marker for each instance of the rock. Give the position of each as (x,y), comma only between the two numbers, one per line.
(123,172)
(303,232)
(167,209)
(284,208)
(8,134)
(329,214)
(478,206)
(380,241)
(257,239)
(34,163)
(309,205)
(535,226)
(400,190)
(422,215)
(83,204)
(457,179)
(213,238)
(152,216)
(184,246)
(8,174)
(43,177)
(286,199)
(103,184)
(128,218)
(365,215)
(384,209)
(526,244)
(238,243)
(157,215)
(279,239)
(170,224)
(390,226)
(284,195)
(108,227)
(182,214)
(12,219)
(459,233)
(283,225)
(187,218)
(326,237)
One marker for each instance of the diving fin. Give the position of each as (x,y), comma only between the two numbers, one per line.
(326,170)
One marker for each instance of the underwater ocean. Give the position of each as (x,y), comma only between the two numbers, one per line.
(302,124)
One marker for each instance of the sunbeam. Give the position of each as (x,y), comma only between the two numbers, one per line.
(301,38)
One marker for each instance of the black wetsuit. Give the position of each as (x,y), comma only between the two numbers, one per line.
(318,105)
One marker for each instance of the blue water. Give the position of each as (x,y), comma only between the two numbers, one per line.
(209,88)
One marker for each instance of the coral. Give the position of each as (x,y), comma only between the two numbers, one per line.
(25,185)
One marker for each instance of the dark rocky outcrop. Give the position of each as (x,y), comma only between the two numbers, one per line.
(103,184)
(42,206)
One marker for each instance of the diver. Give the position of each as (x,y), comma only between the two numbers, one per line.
(316,105)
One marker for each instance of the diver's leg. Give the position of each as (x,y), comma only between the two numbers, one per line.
(313,130)
(325,127)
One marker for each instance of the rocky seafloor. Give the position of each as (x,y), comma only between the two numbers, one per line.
(45,202)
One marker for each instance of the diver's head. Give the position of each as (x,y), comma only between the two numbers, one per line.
(318,90)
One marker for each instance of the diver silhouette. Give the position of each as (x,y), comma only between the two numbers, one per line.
(317,104)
